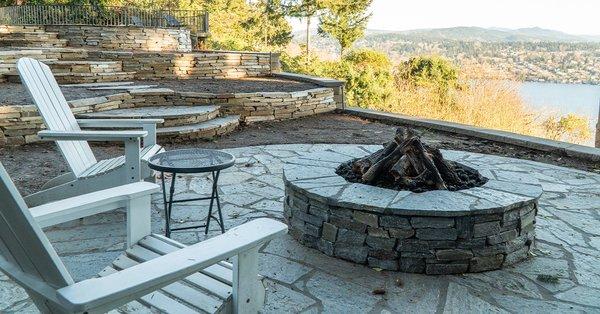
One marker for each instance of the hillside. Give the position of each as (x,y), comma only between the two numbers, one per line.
(531,54)
(466,33)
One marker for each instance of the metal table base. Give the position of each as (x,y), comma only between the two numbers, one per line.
(168,204)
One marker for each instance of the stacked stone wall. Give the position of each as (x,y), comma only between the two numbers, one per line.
(265,106)
(125,37)
(412,243)
(191,65)
(9,58)
(19,124)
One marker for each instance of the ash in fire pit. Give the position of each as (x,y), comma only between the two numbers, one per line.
(407,164)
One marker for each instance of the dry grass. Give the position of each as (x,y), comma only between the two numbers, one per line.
(486,103)
(489,104)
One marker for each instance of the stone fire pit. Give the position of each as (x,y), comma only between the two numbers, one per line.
(435,232)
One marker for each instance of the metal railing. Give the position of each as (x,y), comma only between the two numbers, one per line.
(196,21)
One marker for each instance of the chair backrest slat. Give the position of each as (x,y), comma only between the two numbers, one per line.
(23,244)
(55,111)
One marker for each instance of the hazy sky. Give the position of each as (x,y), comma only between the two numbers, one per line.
(571,16)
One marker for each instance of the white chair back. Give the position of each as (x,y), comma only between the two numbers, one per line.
(26,255)
(54,109)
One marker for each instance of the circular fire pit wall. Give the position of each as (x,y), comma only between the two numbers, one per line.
(436,232)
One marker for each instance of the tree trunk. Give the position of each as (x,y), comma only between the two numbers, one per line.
(308,39)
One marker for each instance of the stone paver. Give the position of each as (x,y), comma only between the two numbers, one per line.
(300,279)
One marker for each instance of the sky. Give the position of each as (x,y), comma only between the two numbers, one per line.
(570,16)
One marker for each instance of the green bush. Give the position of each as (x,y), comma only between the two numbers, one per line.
(368,76)
(428,71)
(367,73)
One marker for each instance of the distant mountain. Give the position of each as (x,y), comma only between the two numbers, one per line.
(466,33)
(533,34)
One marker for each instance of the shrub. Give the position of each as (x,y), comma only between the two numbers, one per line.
(428,71)
(570,128)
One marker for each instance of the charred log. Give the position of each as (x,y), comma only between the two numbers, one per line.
(407,164)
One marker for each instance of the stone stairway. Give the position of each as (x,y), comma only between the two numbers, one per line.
(181,122)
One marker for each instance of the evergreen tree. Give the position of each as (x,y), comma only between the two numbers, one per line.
(345,21)
(226,18)
(268,27)
(306,9)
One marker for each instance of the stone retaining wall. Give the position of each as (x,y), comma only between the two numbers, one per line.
(20,124)
(155,65)
(191,65)
(264,106)
(9,58)
(125,37)
(438,232)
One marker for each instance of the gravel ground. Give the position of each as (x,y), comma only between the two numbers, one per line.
(32,165)
(15,94)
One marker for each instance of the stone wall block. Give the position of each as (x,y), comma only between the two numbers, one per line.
(381,243)
(329,232)
(486,228)
(390,221)
(351,252)
(432,222)
(371,220)
(485,263)
(453,255)
(347,223)
(437,234)
(502,237)
(350,237)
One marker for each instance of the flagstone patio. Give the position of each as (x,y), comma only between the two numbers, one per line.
(300,279)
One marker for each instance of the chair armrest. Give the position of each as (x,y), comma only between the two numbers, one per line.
(90,135)
(117,123)
(131,283)
(90,204)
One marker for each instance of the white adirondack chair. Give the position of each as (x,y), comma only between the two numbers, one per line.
(154,274)
(87,174)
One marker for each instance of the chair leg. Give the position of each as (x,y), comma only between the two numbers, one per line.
(139,219)
(248,293)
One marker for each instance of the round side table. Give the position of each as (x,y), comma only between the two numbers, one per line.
(195,160)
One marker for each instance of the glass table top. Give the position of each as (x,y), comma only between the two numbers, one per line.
(192,160)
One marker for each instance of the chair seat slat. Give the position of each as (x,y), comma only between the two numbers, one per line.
(216,271)
(157,299)
(189,295)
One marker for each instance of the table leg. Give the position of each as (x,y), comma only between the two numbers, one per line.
(170,207)
(164,192)
(221,222)
(210,206)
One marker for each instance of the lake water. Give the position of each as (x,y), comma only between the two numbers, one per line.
(561,99)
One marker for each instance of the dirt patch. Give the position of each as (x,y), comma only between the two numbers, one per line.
(244,85)
(16,94)
(32,165)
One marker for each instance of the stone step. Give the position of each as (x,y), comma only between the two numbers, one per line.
(32,36)
(94,85)
(19,42)
(174,116)
(7,29)
(85,66)
(76,78)
(204,130)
